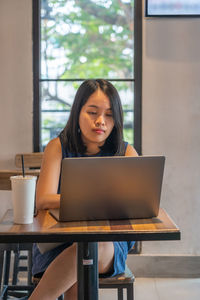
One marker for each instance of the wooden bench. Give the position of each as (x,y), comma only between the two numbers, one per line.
(32,163)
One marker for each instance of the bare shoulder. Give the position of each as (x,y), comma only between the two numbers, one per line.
(130,151)
(53,148)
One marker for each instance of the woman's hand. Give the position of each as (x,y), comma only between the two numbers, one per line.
(47,186)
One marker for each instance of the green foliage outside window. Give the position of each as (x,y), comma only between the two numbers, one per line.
(85,39)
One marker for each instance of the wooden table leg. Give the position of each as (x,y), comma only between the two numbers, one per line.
(87,271)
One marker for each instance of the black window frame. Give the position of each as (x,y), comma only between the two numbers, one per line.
(137,126)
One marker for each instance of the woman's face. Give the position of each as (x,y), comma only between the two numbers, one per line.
(95,119)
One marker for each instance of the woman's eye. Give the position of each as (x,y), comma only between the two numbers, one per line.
(109,115)
(91,112)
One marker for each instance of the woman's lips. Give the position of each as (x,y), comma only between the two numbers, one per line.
(99,131)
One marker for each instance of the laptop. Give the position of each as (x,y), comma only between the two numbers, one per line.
(109,188)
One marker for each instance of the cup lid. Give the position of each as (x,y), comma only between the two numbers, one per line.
(26,177)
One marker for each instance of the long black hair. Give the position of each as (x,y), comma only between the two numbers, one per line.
(71,133)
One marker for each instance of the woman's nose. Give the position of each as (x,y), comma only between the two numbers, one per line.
(100,121)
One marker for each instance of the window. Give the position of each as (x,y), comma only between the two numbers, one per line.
(79,39)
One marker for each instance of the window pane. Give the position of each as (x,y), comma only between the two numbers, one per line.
(87,39)
(57,98)
(56,101)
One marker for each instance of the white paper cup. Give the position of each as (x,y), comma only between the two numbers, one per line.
(23,198)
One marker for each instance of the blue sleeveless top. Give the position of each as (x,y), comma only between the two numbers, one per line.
(41,261)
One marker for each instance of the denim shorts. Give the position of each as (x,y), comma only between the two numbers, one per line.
(120,255)
(42,261)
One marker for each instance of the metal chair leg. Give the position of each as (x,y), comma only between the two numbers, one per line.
(15,267)
(29,267)
(7,267)
(6,273)
(130,295)
(120,293)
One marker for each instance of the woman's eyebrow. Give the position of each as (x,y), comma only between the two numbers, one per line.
(95,106)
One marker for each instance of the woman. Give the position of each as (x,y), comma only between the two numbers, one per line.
(94,128)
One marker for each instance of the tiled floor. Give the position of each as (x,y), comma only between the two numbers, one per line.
(161,289)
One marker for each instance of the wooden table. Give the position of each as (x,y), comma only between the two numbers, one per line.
(46,229)
(5,183)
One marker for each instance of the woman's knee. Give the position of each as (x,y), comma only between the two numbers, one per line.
(71,250)
(105,248)
(105,256)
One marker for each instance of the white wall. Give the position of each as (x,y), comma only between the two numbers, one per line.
(171,122)
(15,84)
(171,110)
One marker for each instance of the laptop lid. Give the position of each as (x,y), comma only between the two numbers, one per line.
(97,188)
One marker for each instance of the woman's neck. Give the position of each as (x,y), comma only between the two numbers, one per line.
(92,149)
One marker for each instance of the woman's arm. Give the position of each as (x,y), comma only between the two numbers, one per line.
(47,186)
(130,151)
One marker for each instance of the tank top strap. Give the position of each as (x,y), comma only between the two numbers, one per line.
(125,147)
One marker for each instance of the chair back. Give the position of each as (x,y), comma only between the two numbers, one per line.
(31,160)
(32,163)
